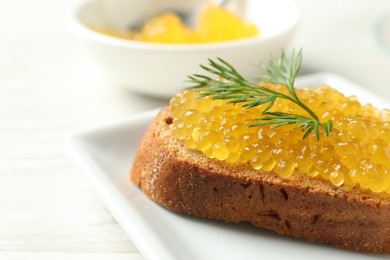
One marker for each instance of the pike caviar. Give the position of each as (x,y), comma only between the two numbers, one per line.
(356,153)
(214,24)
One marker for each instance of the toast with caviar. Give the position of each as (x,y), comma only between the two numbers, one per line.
(320,173)
(186,181)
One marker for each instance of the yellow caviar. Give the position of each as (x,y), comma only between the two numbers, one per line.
(214,24)
(356,153)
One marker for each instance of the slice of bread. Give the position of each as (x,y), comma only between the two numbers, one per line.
(186,181)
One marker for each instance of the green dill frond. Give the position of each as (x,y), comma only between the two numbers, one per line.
(230,85)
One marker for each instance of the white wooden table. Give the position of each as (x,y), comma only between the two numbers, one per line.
(50,88)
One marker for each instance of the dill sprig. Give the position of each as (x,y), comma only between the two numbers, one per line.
(233,87)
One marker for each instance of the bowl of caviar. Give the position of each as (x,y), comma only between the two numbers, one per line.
(156,57)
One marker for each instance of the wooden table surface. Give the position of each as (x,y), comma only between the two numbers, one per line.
(50,88)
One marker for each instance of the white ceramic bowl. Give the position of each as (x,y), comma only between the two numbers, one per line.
(161,69)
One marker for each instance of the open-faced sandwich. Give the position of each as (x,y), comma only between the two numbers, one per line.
(310,163)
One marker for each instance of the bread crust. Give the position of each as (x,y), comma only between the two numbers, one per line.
(187,182)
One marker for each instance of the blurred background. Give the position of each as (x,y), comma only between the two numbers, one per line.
(51,87)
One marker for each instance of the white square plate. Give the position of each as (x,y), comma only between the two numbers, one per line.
(106,154)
